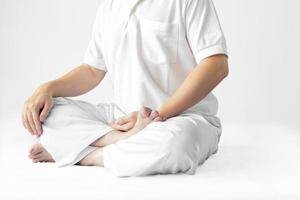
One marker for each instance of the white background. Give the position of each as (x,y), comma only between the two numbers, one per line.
(259,149)
(41,40)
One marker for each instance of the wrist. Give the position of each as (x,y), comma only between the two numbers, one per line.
(162,114)
(47,88)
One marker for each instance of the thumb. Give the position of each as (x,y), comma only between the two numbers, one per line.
(45,111)
(122,120)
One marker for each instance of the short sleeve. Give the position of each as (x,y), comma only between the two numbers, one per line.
(204,33)
(94,55)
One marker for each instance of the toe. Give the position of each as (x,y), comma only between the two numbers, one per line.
(35,156)
(35,160)
(46,157)
(36,149)
(40,158)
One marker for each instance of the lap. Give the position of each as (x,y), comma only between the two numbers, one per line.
(186,129)
(71,127)
(179,144)
(189,133)
(67,111)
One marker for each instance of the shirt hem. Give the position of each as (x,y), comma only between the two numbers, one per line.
(210,51)
(95,62)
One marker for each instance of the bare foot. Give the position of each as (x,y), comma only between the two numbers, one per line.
(39,154)
(144,117)
(93,159)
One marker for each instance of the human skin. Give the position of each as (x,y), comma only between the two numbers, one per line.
(198,84)
(39,154)
(77,82)
(202,80)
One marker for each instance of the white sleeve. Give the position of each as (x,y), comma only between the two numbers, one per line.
(94,55)
(204,33)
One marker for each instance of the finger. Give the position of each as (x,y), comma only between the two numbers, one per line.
(28,124)
(45,111)
(158,119)
(122,120)
(117,127)
(24,119)
(127,127)
(31,124)
(124,127)
(145,111)
(154,114)
(36,121)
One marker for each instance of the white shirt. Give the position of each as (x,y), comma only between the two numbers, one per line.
(148,47)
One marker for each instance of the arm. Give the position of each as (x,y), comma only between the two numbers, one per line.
(202,80)
(198,84)
(77,82)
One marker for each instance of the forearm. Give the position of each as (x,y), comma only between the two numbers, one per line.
(198,84)
(76,82)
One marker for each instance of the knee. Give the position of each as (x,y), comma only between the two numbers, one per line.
(180,141)
(59,112)
(172,153)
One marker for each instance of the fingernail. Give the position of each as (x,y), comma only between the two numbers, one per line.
(152,115)
(158,119)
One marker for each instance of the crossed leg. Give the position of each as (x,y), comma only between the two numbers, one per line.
(39,154)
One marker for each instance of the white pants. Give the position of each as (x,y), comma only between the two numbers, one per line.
(179,144)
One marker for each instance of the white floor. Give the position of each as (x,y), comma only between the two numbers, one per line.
(254,162)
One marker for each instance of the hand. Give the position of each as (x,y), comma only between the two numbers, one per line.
(128,122)
(36,110)
(125,123)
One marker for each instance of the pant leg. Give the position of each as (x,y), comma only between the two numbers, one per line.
(71,127)
(179,144)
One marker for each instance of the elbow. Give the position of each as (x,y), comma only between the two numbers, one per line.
(221,65)
(224,72)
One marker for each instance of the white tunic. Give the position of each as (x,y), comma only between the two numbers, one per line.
(148,47)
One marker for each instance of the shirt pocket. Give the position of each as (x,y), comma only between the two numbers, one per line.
(159,41)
